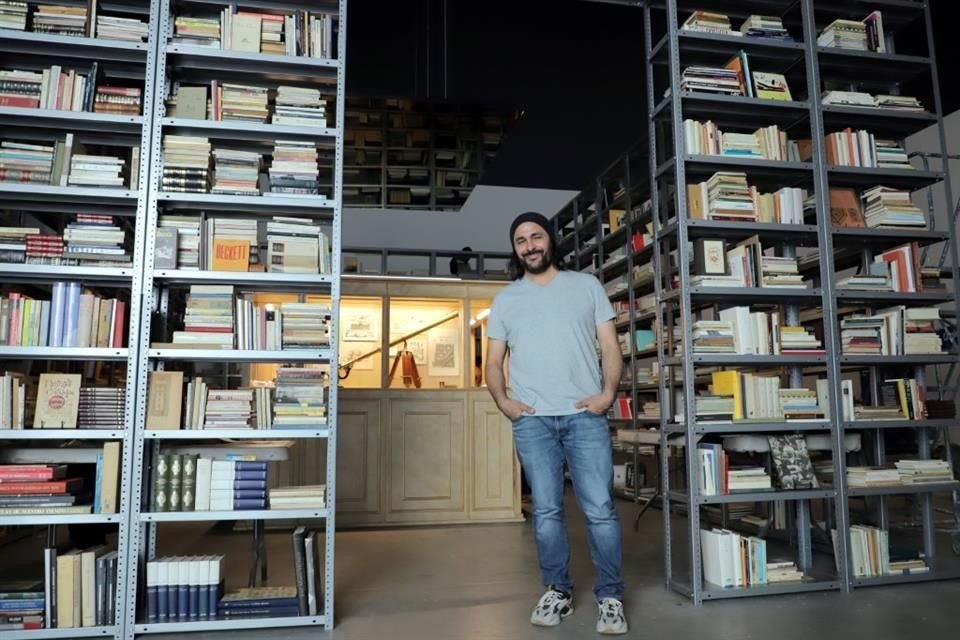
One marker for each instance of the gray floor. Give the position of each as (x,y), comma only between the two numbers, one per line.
(480,582)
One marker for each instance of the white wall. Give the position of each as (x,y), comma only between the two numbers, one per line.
(929,140)
(483,223)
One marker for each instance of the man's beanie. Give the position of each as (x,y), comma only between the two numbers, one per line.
(534,217)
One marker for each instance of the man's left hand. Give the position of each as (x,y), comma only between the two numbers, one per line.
(596,404)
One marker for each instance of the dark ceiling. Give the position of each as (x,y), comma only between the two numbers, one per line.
(574,67)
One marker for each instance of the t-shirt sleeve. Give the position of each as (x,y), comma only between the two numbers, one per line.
(603,310)
(496,328)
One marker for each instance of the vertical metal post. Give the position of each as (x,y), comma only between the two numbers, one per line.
(831,335)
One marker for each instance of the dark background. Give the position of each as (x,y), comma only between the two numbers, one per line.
(575,68)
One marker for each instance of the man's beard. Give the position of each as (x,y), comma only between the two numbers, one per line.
(541,267)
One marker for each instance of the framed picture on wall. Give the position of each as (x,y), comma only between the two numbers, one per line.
(359,325)
(356,349)
(444,352)
(418,346)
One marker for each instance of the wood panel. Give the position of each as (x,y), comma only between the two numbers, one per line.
(427,453)
(495,479)
(359,456)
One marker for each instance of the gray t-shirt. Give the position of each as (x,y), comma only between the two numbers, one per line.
(551,331)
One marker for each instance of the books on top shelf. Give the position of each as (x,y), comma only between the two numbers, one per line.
(709,22)
(755,26)
(864,35)
(304,33)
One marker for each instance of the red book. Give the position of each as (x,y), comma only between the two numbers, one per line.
(30,488)
(30,473)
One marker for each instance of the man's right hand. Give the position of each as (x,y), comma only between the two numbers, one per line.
(514,409)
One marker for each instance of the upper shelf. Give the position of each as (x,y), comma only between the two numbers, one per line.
(279,203)
(187,58)
(724,109)
(29,42)
(241,130)
(71,120)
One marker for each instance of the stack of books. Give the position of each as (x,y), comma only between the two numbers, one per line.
(39,489)
(712,336)
(300,106)
(800,404)
(844,34)
(102,408)
(235,485)
(785,206)
(921,471)
(60,20)
(729,197)
(799,341)
(890,208)
(13,15)
(920,330)
(765,27)
(227,409)
(709,22)
(711,80)
(118,100)
(303,497)
(186,164)
(258,602)
(748,479)
(299,398)
(294,169)
(872,477)
(902,103)
(242,102)
(778,271)
(127,29)
(236,172)
(305,325)
(25,163)
(862,335)
(890,154)
(198,31)
(208,321)
(295,245)
(849,98)
(178,242)
(97,171)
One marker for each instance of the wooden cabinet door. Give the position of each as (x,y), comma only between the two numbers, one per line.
(360,457)
(495,486)
(427,456)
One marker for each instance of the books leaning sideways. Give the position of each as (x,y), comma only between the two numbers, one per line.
(13,15)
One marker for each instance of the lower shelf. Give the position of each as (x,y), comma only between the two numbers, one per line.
(83,632)
(714,592)
(879,581)
(225,625)
(211,516)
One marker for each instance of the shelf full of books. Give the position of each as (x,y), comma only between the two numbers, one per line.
(76,103)
(800,310)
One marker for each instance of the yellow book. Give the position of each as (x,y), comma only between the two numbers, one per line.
(231,255)
(727,383)
(616,216)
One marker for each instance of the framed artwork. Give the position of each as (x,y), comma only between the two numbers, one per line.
(360,325)
(418,346)
(356,349)
(444,352)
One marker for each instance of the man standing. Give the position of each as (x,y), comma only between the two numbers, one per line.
(551,321)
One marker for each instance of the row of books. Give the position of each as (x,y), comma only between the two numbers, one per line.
(283,105)
(880,101)
(294,168)
(58,401)
(872,556)
(754,26)
(91,240)
(187,482)
(70,21)
(861,148)
(66,90)
(296,401)
(45,489)
(303,33)
(739,395)
(743,265)
(63,164)
(768,143)
(736,79)
(727,195)
(739,330)
(904,472)
(896,330)
(857,35)
(71,318)
(732,560)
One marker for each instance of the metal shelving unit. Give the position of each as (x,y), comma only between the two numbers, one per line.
(126,62)
(809,69)
(178,61)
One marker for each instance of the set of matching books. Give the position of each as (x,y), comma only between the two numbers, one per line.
(71,21)
(768,143)
(298,400)
(187,482)
(69,319)
(304,33)
(184,588)
(45,489)
(865,35)
(755,26)
(732,560)
(892,331)
(284,105)
(63,165)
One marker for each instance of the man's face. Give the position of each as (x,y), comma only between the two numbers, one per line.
(532,245)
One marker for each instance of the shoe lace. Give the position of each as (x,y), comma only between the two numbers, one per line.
(611,608)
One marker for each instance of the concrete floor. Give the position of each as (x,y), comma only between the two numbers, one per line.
(480,582)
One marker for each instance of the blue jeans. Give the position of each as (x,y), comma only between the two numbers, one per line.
(583,440)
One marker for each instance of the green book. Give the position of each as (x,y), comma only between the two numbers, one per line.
(188,487)
(161,483)
(176,482)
